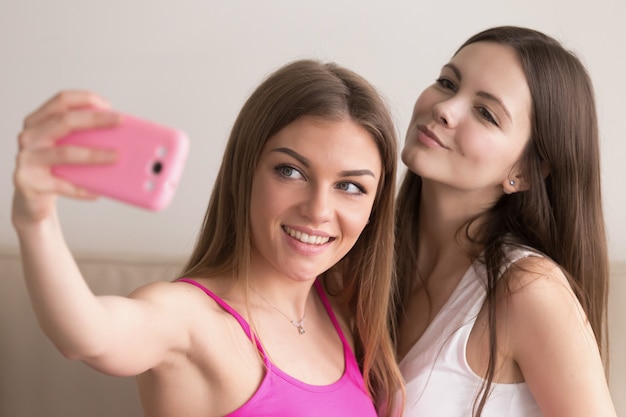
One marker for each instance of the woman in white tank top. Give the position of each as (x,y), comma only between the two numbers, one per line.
(502,254)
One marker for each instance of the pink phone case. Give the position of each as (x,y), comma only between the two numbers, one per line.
(150,162)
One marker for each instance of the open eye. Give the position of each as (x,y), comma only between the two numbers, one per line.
(351,188)
(288,171)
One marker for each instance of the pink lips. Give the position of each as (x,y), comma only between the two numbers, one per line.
(428,138)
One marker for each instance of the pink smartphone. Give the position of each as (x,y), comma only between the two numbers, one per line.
(151,158)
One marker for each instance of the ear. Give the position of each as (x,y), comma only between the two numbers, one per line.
(514,183)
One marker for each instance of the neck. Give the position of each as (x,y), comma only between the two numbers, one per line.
(289,294)
(297,321)
(444,214)
(290,300)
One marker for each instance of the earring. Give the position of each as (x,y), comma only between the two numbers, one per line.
(512,183)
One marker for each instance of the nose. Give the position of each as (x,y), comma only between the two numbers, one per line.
(446,113)
(317,206)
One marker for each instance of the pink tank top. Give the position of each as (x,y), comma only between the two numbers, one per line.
(281,395)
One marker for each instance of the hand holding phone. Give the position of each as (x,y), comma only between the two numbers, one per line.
(151,159)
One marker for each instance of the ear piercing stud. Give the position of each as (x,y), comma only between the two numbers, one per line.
(512,183)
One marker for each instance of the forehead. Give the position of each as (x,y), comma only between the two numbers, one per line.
(327,140)
(496,69)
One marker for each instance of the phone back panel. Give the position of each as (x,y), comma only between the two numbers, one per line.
(150,162)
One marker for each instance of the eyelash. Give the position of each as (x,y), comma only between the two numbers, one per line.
(280,171)
(446,83)
(486,114)
(361,190)
(482,111)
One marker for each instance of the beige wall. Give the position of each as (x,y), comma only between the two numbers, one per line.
(192,64)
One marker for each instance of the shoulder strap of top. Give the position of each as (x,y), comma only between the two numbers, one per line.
(242,322)
(516,253)
(320,290)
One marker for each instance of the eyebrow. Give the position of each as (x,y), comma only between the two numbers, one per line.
(304,161)
(482,94)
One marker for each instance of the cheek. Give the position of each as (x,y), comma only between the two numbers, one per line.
(480,149)
(481,145)
(355,219)
(424,103)
(261,205)
(490,158)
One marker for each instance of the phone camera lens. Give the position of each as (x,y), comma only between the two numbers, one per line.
(157,167)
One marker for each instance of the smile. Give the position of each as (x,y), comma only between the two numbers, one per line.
(306,238)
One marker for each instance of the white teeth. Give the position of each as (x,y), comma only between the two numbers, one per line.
(306,238)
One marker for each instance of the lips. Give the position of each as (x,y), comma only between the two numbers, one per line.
(428,137)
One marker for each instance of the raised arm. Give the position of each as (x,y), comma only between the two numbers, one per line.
(116,335)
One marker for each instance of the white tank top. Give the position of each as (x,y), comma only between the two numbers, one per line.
(439,381)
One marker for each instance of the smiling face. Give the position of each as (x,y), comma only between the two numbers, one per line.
(470,127)
(312,195)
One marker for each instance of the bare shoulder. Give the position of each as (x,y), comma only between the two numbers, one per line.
(552,342)
(168,298)
(540,310)
(535,273)
(180,296)
(538,296)
(181,308)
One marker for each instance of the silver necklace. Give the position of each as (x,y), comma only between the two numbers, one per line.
(298,324)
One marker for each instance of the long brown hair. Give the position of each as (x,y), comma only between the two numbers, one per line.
(561,214)
(331,92)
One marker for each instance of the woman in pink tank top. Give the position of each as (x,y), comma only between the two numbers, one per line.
(282,308)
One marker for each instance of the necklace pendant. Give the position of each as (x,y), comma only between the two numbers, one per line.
(299,325)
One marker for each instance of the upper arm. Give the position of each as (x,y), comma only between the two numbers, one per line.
(553,344)
(142,329)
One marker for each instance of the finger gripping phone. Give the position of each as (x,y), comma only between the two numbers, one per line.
(151,158)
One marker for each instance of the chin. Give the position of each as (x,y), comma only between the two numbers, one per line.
(303,274)
(406,155)
(411,164)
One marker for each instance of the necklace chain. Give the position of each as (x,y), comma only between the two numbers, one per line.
(297,324)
